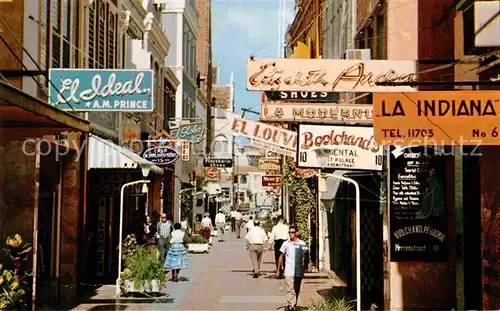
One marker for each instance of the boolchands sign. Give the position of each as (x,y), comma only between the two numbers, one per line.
(102,89)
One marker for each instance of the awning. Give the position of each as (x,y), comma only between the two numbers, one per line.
(104,154)
(22,115)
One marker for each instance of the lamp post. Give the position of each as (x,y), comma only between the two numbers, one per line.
(358,235)
(145,172)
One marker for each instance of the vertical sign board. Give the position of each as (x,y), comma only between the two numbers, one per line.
(418,209)
(185,151)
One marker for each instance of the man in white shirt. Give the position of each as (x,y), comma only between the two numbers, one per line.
(249,224)
(279,234)
(220,223)
(237,223)
(296,254)
(233,216)
(255,241)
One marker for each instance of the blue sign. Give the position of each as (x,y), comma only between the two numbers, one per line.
(161,155)
(102,89)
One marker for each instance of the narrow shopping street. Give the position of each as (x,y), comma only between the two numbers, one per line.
(219,280)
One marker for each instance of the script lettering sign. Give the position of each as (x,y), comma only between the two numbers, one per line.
(102,89)
(329,75)
(341,147)
(335,113)
(286,96)
(192,132)
(271,181)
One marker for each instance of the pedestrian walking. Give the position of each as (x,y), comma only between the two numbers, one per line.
(184,224)
(237,223)
(163,229)
(256,240)
(177,254)
(279,235)
(220,223)
(295,253)
(233,220)
(249,225)
(206,228)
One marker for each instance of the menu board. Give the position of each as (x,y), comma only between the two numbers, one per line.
(418,209)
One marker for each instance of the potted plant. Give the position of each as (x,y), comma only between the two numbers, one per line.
(144,270)
(15,283)
(196,243)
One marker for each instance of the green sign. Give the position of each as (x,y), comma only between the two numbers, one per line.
(192,132)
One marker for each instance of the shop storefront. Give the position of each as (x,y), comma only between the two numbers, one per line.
(42,189)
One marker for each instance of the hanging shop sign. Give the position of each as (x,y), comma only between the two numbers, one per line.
(271,181)
(342,147)
(270,163)
(418,207)
(302,173)
(193,132)
(214,162)
(164,138)
(329,75)
(286,96)
(262,132)
(437,118)
(212,174)
(335,113)
(161,155)
(185,151)
(253,160)
(272,148)
(102,89)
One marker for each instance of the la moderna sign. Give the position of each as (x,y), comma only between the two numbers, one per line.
(161,155)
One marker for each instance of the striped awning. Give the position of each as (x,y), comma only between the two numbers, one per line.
(104,154)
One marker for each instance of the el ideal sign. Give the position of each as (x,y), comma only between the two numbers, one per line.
(102,89)
(437,118)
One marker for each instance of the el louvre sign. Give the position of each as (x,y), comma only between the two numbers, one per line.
(102,89)
(317,113)
(161,155)
(192,132)
(269,164)
(342,147)
(328,75)
(274,149)
(303,96)
(437,118)
(262,132)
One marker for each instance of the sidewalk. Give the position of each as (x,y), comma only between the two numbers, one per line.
(219,280)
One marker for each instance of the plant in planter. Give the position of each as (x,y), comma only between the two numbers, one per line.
(144,271)
(196,243)
(15,284)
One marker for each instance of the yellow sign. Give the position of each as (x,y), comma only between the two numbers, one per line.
(437,118)
(269,164)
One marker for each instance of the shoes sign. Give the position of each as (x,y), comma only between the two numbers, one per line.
(216,162)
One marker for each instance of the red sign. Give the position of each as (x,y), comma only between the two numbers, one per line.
(271,181)
(212,172)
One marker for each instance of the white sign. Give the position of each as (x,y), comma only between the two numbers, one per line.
(329,75)
(185,152)
(261,131)
(274,149)
(317,113)
(340,147)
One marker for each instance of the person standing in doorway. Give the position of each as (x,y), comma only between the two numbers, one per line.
(233,220)
(295,253)
(237,223)
(256,240)
(163,229)
(220,223)
(279,236)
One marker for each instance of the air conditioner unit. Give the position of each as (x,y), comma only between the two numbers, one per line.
(356,54)
(360,54)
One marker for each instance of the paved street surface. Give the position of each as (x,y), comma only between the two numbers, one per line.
(219,280)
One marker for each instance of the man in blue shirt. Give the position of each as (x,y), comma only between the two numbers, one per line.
(163,229)
(296,255)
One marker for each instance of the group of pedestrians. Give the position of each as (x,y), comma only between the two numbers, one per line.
(291,255)
(169,239)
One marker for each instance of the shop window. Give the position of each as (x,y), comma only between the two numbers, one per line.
(102,35)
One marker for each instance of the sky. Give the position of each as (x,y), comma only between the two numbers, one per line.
(241,28)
